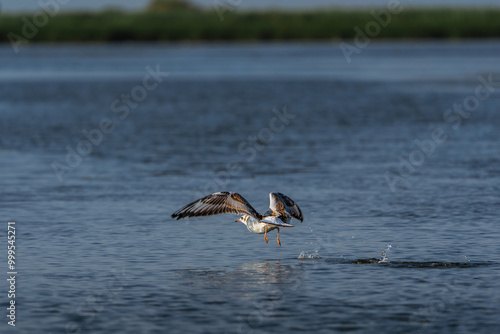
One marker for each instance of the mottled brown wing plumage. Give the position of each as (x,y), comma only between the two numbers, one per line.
(217,203)
(285,206)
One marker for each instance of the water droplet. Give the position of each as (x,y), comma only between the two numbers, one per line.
(385,255)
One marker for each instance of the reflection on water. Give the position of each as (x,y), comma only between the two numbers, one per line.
(250,275)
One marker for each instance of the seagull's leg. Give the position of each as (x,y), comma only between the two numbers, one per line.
(279,243)
(265,234)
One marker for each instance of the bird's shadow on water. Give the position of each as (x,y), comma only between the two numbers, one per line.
(410,264)
(288,274)
(291,270)
(385,262)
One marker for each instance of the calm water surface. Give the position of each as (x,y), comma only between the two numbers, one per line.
(368,150)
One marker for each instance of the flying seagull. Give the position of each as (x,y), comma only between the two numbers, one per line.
(281,211)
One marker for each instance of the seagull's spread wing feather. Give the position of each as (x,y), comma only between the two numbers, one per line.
(221,202)
(276,221)
(285,206)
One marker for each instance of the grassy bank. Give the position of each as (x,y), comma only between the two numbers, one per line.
(206,25)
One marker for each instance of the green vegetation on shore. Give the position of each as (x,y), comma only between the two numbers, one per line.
(188,23)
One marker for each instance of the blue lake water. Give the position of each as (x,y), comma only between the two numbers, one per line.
(396,152)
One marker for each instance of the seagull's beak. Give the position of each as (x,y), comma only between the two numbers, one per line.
(239,220)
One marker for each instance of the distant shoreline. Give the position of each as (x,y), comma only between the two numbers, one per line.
(352,26)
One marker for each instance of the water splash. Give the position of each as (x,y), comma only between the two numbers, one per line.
(306,255)
(385,255)
(316,244)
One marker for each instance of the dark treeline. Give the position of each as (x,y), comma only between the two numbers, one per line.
(229,24)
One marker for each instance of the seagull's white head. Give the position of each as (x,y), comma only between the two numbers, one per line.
(244,219)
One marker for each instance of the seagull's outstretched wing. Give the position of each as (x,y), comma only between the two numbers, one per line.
(284,206)
(277,221)
(221,202)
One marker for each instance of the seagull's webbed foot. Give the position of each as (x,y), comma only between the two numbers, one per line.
(279,243)
(265,235)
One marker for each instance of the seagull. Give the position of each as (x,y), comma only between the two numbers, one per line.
(281,211)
